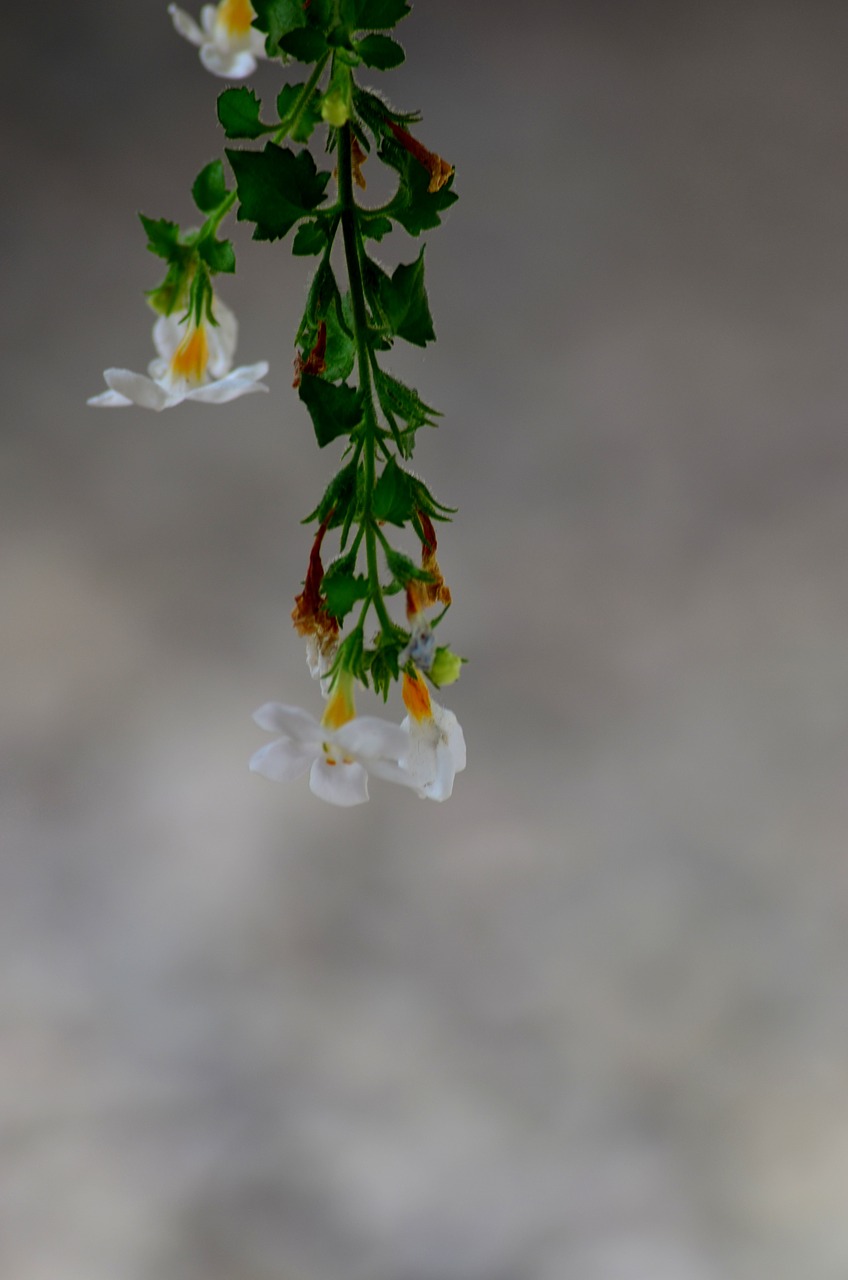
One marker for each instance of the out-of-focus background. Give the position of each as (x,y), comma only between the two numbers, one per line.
(588,1020)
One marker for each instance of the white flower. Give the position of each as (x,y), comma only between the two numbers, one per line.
(339,751)
(194,363)
(436,750)
(229,45)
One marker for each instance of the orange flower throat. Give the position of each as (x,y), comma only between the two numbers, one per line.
(236,16)
(191,357)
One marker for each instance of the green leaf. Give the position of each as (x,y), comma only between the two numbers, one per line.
(209,187)
(335,411)
(393,499)
(310,113)
(338,497)
(310,237)
(380,52)
(307,44)
(276,187)
(404,402)
(414,206)
(403,300)
(277,18)
(342,587)
(238,112)
(376,228)
(370,14)
(324,305)
(162,236)
(384,666)
(218,255)
(404,570)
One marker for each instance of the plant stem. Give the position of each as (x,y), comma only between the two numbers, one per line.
(360,327)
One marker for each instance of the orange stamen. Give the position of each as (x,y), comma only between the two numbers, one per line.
(416,697)
(191,357)
(236,16)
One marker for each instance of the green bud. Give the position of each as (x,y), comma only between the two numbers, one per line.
(334,109)
(446,667)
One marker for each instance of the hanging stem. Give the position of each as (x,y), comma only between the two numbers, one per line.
(371,435)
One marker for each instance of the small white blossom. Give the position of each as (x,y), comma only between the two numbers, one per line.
(194,363)
(436,750)
(340,751)
(229,45)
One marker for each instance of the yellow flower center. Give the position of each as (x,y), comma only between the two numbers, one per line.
(235,16)
(339,708)
(191,357)
(416,696)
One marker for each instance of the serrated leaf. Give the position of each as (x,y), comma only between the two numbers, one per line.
(324,305)
(277,18)
(210,187)
(337,498)
(335,410)
(162,236)
(384,666)
(380,52)
(310,237)
(276,188)
(402,299)
(414,206)
(218,255)
(238,113)
(404,401)
(341,587)
(375,14)
(393,495)
(307,44)
(404,570)
(376,228)
(310,113)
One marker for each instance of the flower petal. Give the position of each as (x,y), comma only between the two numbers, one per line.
(168,333)
(342,784)
(230,388)
(141,390)
(294,722)
(185,25)
(451,731)
(108,400)
(369,736)
(222,339)
(233,64)
(281,761)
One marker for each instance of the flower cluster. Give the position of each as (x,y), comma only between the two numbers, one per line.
(350,322)
(342,749)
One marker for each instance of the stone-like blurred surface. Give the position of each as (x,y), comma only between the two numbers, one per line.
(587,1021)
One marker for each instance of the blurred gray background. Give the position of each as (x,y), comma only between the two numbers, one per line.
(588,1020)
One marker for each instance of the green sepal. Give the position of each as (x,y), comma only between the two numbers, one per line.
(414,206)
(218,255)
(376,228)
(376,113)
(307,44)
(402,300)
(404,570)
(276,188)
(341,586)
(238,113)
(339,496)
(310,113)
(335,410)
(373,14)
(384,664)
(311,237)
(380,52)
(210,187)
(276,18)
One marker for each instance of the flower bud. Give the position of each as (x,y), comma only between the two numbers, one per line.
(446,667)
